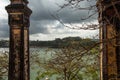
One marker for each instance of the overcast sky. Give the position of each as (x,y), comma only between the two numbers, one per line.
(43,25)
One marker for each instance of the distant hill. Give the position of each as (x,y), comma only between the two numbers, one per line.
(57,43)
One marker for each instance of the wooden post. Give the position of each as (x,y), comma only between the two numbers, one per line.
(19,14)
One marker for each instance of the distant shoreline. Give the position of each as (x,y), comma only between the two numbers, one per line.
(57,43)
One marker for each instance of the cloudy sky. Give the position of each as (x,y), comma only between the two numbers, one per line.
(44,26)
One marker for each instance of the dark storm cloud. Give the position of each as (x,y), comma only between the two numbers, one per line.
(42,16)
(42,10)
(39,27)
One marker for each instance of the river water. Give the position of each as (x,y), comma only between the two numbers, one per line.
(34,68)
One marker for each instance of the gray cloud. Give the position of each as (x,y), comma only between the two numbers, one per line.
(4,29)
(39,27)
(41,9)
(42,19)
(44,9)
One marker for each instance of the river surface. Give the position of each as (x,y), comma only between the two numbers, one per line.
(34,68)
(44,54)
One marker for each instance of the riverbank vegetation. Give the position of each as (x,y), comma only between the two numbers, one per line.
(78,59)
(57,43)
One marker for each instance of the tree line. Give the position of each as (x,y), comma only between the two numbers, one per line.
(57,43)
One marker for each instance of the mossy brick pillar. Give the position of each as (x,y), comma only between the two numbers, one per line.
(19,14)
(109,19)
